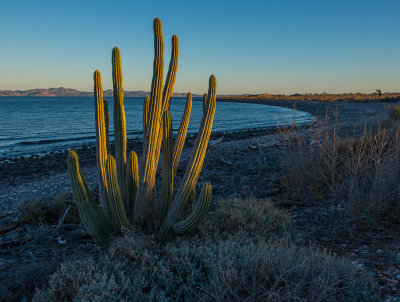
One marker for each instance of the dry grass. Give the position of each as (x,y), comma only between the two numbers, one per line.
(394,111)
(48,210)
(358,170)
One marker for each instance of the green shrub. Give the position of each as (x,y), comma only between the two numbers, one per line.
(250,217)
(216,271)
(222,267)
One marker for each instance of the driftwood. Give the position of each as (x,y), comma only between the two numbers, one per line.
(215,142)
(10,227)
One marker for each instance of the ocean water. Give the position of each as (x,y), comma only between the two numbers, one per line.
(36,125)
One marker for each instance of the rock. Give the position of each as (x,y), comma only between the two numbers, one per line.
(379,251)
(245,180)
(276,180)
(360,267)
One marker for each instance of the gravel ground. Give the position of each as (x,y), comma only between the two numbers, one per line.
(242,163)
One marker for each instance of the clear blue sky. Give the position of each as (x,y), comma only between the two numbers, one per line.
(276,46)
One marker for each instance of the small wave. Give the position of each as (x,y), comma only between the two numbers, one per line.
(52,141)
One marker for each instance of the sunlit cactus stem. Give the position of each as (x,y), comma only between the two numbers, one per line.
(195,162)
(181,136)
(119,122)
(107,124)
(101,140)
(149,162)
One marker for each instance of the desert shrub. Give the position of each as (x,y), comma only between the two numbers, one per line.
(250,217)
(214,271)
(394,111)
(48,210)
(359,171)
(272,271)
(230,267)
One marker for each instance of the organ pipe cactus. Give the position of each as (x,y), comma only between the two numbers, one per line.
(127,192)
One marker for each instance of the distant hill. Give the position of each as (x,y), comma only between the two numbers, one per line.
(69,92)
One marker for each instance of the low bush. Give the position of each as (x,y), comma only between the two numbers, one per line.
(359,171)
(230,265)
(48,210)
(250,217)
(394,111)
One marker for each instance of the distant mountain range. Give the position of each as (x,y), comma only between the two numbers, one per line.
(68,92)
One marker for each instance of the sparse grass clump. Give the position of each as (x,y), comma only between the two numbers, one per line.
(394,112)
(228,266)
(48,210)
(359,171)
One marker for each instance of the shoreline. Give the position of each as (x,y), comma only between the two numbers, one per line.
(317,109)
(345,113)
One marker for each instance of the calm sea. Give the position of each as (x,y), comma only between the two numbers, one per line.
(34,125)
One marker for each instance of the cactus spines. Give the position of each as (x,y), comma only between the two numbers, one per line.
(204,101)
(167,172)
(101,140)
(181,136)
(145,116)
(107,124)
(118,216)
(132,184)
(171,76)
(96,223)
(198,212)
(195,162)
(119,121)
(127,192)
(149,161)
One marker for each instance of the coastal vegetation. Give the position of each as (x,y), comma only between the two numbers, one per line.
(331,97)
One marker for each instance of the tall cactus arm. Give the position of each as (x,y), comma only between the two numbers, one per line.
(198,213)
(96,223)
(107,124)
(181,136)
(119,121)
(167,172)
(149,162)
(171,76)
(168,92)
(101,140)
(132,184)
(195,162)
(118,216)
